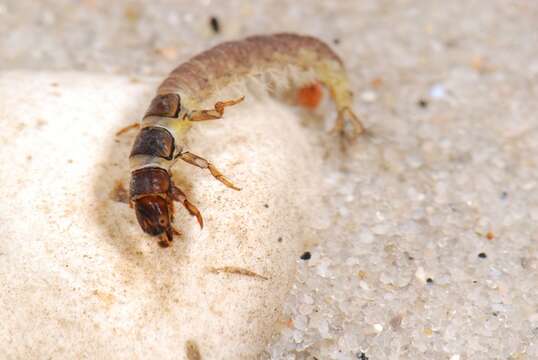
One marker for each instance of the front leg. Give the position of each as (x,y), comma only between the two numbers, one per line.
(213,114)
(180,196)
(127,128)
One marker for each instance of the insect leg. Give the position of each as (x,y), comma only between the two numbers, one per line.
(166,238)
(176,231)
(348,114)
(171,211)
(338,125)
(180,196)
(204,164)
(216,113)
(127,128)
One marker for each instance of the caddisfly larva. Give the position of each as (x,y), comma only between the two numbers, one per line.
(177,106)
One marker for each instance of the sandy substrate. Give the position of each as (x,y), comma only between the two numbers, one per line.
(80,279)
(430,251)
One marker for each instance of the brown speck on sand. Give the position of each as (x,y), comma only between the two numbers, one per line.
(132,13)
(167,52)
(376,82)
(107,299)
(40,123)
(119,193)
(396,322)
(235,270)
(214,24)
(191,349)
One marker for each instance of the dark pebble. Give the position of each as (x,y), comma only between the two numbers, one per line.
(215,25)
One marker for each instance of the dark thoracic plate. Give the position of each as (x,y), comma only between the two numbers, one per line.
(164,105)
(154,141)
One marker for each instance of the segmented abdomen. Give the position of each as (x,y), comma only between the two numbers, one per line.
(229,61)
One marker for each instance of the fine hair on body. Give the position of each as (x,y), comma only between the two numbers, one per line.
(278,62)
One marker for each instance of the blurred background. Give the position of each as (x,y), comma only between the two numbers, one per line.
(149,37)
(431,250)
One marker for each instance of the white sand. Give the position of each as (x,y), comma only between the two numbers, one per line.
(79,278)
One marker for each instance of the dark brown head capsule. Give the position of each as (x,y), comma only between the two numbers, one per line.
(150,194)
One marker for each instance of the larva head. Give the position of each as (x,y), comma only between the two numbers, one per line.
(149,191)
(154,218)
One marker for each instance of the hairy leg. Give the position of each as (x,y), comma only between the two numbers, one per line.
(204,164)
(216,113)
(180,196)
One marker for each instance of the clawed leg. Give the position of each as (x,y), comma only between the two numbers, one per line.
(204,164)
(347,114)
(176,231)
(127,128)
(180,196)
(213,114)
(167,237)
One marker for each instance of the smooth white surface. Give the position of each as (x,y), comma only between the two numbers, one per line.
(78,278)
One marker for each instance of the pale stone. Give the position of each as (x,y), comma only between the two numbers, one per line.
(79,278)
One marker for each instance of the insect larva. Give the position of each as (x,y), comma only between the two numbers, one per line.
(177,106)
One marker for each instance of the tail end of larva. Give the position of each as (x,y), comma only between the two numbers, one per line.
(347,115)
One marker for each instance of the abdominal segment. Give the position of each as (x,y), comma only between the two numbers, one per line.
(155,142)
(280,55)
